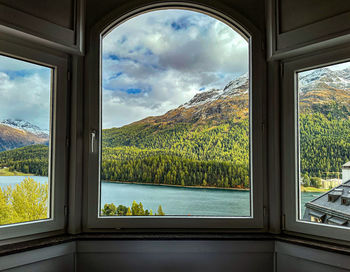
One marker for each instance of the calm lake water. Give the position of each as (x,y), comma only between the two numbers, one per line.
(174,200)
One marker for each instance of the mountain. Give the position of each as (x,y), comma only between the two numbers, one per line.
(26,126)
(324,90)
(213,106)
(322,78)
(19,133)
(205,141)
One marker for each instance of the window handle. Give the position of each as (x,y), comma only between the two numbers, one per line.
(93,134)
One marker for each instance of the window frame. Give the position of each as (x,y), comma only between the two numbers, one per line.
(257,135)
(58,135)
(290,143)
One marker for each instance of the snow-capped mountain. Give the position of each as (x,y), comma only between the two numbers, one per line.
(323,78)
(26,126)
(19,133)
(229,103)
(236,87)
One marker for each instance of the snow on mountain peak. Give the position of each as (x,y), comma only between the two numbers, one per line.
(238,86)
(318,78)
(25,126)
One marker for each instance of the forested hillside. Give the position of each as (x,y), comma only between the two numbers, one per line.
(205,142)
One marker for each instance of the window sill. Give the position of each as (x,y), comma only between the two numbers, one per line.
(60,239)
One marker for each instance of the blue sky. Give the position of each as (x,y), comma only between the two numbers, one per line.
(159,60)
(24,91)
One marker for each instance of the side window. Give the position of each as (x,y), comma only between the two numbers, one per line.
(25,123)
(175,118)
(33,133)
(324,144)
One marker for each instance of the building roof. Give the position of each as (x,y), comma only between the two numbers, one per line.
(346,165)
(335,208)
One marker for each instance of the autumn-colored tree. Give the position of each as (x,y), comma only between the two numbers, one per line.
(5,211)
(160,211)
(27,201)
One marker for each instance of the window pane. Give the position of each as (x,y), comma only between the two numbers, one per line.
(324,143)
(25,90)
(175,117)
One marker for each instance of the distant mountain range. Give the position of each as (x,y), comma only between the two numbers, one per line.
(15,133)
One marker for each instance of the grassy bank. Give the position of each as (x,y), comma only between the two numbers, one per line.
(6,172)
(313,190)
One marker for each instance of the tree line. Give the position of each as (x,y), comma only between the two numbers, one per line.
(136,209)
(174,170)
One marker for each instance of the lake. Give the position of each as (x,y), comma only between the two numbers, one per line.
(174,200)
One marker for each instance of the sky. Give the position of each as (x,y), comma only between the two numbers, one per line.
(159,60)
(25,91)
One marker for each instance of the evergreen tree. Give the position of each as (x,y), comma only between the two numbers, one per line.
(160,211)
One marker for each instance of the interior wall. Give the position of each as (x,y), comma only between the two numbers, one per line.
(53,258)
(176,255)
(290,258)
(57,12)
(201,256)
(308,12)
(253,10)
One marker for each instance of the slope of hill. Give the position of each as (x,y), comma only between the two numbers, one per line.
(206,140)
(26,126)
(11,137)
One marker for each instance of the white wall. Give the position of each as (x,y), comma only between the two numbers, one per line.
(345,174)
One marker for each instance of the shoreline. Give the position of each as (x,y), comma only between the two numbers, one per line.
(313,190)
(5,172)
(178,186)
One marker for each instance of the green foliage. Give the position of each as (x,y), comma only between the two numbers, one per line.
(160,211)
(122,210)
(306,180)
(215,155)
(135,210)
(176,171)
(30,159)
(27,201)
(324,144)
(109,209)
(315,182)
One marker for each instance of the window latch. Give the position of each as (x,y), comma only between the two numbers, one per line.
(93,140)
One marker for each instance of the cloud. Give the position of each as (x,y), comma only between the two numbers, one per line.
(24,91)
(168,56)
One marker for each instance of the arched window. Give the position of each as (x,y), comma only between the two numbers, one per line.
(176,132)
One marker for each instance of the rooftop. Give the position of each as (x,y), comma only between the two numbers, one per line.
(346,165)
(335,207)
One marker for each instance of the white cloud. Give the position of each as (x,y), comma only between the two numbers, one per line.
(168,56)
(24,92)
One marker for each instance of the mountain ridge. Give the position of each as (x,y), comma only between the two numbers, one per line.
(18,133)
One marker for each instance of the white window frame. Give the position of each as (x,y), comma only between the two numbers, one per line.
(58,132)
(290,143)
(257,78)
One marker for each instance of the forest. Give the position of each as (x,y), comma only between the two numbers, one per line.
(214,155)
